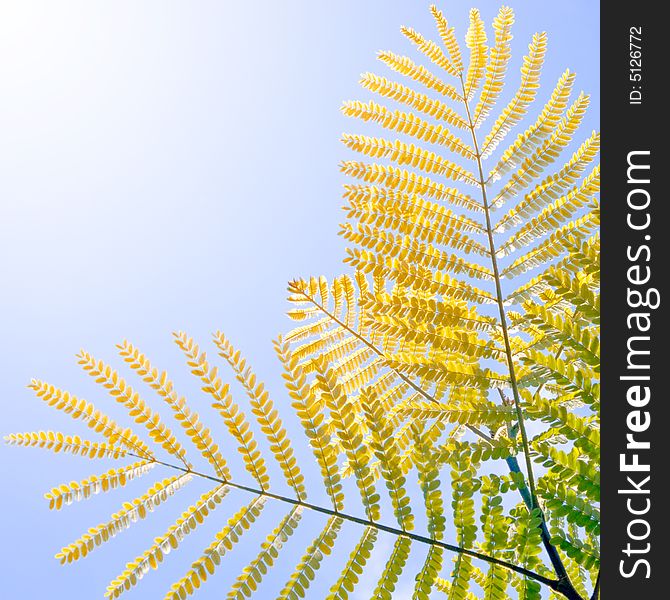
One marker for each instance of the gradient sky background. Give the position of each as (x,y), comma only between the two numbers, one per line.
(170,165)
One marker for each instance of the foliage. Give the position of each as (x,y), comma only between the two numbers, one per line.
(456,331)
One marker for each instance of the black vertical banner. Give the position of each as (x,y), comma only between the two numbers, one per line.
(635,263)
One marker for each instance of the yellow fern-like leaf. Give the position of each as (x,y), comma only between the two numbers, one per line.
(553,186)
(170,540)
(189,420)
(138,409)
(223,542)
(123,519)
(71,444)
(545,123)
(350,575)
(475,40)
(333,345)
(554,214)
(350,436)
(556,244)
(382,444)
(266,415)
(389,209)
(389,248)
(496,66)
(445,368)
(409,124)
(407,67)
(68,493)
(409,154)
(547,153)
(304,573)
(384,205)
(410,182)
(525,95)
(488,414)
(448,38)
(421,102)
(233,417)
(444,339)
(420,278)
(246,584)
(81,409)
(312,420)
(432,51)
(449,313)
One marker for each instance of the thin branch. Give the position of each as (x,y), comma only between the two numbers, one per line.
(531,498)
(501,308)
(552,583)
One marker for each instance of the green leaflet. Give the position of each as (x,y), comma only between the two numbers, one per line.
(392,570)
(355,565)
(251,576)
(300,580)
(494,526)
(464,483)
(224,541)
(384,447)
(527,544)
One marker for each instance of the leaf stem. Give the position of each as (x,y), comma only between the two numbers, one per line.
(552,583)
(530,497)
(501,306)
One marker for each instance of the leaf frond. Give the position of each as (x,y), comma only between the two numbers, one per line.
(392,569)
(418,101)
(350,436)
(223,542)
(71,444)
(78,408)
(353,570)
(448,36)
(304,573)
(166,543)
(247,582)
(232,416)
(67,493)
(123,393)
(544,125)
(524,96)
(410,182)
(432,51)
(266,414)
(312,419)
(190,421)
(407,67)
(496,66)
(129,513)
(384,448)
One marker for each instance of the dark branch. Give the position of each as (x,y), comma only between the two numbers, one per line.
(552,583)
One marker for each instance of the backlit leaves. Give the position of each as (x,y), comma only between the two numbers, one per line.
(413,375)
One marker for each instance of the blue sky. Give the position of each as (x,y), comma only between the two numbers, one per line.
(171,165)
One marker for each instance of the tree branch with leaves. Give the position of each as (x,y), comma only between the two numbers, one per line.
(460,341)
